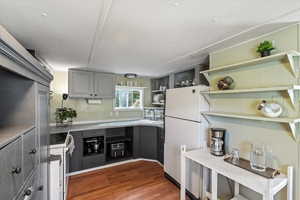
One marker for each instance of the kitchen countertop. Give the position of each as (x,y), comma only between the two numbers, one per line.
(105,125)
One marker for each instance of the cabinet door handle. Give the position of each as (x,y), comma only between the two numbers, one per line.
(33,151)
(91,95)
(96,95)
(41,188)
(16,170)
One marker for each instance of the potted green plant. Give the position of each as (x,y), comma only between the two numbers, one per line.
(64,116)
(265,48)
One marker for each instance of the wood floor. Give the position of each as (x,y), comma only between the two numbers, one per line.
(141,180)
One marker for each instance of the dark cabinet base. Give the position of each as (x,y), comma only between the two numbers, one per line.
(145,142)
(148,143)
(93,161)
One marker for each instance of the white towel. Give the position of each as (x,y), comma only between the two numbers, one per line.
(71,145)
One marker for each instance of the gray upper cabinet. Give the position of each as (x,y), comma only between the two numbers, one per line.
(81,84)
(11,176)
(104,85)
(91,85)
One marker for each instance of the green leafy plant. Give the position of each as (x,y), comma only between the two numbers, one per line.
(265,46)
(63,114)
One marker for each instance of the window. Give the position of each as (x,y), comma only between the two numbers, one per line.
(129,98)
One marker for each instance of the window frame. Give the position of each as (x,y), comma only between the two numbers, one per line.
(128,88)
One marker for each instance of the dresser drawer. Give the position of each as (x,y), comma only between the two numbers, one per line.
(11,174)
(30,191)
(29,153)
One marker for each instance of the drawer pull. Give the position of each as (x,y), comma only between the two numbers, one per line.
(41,188)
(33,151)
(28,192)
(16,170)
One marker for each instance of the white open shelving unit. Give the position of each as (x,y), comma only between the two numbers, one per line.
(290,89)
(285,120)
(277,57)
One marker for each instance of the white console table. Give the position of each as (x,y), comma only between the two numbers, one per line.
(266,187)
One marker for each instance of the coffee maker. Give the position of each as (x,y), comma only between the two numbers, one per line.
(217,143)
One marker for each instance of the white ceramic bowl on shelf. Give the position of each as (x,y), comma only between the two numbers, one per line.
(272,110)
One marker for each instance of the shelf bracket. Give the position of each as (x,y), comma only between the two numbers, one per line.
(206,76)
(292,64)
(206,97)
(206,119)
(292,96)
(293,129)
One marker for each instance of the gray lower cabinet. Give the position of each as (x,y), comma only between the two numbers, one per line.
(11,176)
(75,163)
(29,153)
(93,161)
(148,142)
(78,161)
(136,142)
(160,144)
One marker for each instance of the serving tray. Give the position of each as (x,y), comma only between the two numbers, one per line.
(245,164)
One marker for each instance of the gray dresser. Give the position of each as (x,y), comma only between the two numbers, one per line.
(24,133)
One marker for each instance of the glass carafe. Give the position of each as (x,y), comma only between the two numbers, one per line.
(258,157)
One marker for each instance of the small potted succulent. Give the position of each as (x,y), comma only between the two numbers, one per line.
(64,116)
(265,48)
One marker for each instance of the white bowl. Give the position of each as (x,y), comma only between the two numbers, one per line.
(272,110)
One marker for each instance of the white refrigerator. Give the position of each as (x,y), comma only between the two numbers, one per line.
(184,125)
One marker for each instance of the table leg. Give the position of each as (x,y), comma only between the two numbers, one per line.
(182,173)
(290,183)
(268,195)
(236,188)
(205,173)
(214,185)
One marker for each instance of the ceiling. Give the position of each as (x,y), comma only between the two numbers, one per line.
(147,37)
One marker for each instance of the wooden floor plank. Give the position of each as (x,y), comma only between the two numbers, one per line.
(141,180)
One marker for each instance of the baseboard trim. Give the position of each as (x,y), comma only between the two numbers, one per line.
(112,165)
(188,193)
